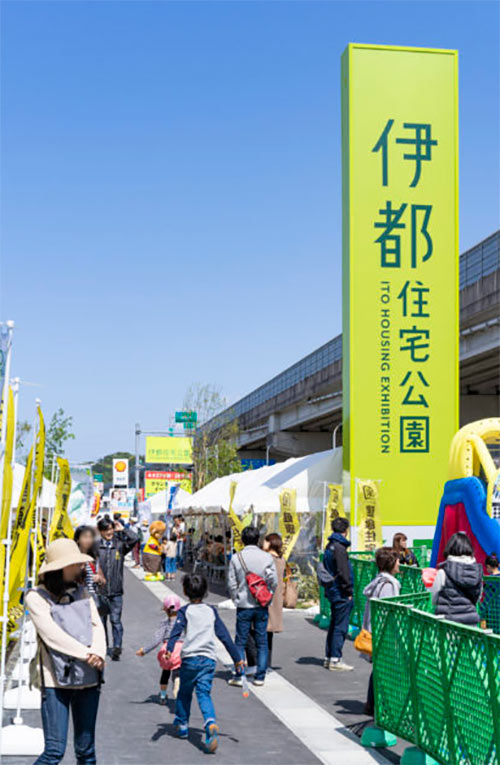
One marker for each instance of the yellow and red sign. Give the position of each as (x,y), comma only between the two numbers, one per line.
(158,480)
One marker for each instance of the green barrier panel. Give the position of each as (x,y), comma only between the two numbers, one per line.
(489,607)
(436,683)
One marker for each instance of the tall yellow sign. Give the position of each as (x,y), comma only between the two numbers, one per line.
(400,273)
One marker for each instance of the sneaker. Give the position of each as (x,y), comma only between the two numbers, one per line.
(163,699)
(181,731)
(258,682)
(326,663)
(235,680)
(339,666)
(211,737)
(115,656)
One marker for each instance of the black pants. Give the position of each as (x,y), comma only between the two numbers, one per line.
(370,698)
(165,675)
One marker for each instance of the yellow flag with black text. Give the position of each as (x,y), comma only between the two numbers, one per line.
(61,525)
(289,523)
(368,513)
(236,525)
(334,508)
(25,516)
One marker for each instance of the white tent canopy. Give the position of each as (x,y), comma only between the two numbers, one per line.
(259,489)
(159,502)
(48,494)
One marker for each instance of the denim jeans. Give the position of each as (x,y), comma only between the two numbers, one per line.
(258,618)
(179,556)
(112,607)
(339,624)
(56,703)
(170,566)
(197,674)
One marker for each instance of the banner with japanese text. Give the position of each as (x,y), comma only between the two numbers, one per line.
(400,273)
(368,515)
(289,524)
(236,524)
(169,450)
(61,525)
(158,480)
(334,508)
(26,515)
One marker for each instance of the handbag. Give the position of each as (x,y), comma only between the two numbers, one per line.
(174,660)
(363,642)
(257,586)
(290,592)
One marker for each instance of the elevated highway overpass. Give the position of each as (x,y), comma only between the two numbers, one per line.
(299,411)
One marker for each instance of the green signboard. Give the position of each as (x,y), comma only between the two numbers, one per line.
(186,416)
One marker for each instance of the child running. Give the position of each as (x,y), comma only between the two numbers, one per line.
(199,624)
(171,605)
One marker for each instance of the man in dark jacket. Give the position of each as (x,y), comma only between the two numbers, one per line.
(114,544)
(339,592)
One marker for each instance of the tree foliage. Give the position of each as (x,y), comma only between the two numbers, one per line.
(215,449)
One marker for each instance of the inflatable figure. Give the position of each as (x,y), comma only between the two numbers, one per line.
(471,497)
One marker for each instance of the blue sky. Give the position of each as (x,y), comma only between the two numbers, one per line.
(171,190)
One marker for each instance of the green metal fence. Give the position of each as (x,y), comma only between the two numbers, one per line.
(436,683)
(364,570)
(489,607)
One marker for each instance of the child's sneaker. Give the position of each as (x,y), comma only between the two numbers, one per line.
(326,662)
(211,737)
(163,698)
(181,730)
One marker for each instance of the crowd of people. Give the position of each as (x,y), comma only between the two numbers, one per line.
(80,589)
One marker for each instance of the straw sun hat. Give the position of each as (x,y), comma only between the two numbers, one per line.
(60,553)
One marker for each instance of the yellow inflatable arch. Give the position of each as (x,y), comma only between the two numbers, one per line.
(469,453)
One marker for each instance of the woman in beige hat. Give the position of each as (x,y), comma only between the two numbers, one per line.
(72,648)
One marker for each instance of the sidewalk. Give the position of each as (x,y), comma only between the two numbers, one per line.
(302,716)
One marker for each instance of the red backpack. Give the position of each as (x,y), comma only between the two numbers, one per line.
(257,586)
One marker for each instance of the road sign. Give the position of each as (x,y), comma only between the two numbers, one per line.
(98,477)
(186,416)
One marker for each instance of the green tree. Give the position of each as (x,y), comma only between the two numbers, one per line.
(23,440)
(215,449)
(58,432)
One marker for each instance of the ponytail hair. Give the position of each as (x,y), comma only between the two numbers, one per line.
(492,561)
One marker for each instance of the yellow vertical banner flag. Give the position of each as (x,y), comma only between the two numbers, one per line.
(236,525)
(61,525)
(7,466)
(289,523)
(25,516)
(7,480)
(400,268)
(368,515)
(334,508)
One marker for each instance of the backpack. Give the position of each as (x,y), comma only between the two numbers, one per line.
(257,586)
(324,576)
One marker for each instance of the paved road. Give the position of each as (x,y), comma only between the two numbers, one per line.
(133,728)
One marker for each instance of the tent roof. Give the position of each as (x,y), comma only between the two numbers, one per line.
(259,489)
(159,502)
